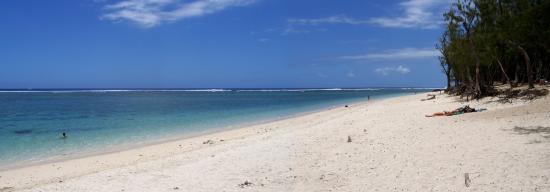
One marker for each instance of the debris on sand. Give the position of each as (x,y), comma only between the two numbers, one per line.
(349,139)
(467,180)
(245,184)
(430,97)
(208,142)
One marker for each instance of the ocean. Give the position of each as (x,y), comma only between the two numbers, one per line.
(32,121)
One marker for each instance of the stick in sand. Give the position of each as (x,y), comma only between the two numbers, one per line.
(467,179)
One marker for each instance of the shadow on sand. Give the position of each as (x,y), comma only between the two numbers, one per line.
(540,130)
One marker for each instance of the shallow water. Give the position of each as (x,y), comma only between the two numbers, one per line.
(31,122)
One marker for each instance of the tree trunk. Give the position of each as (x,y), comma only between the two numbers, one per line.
(470,81)
(539,71)
(504,73)
(448,74)
(477,77)
(448,80)
(528,65)
(516,75)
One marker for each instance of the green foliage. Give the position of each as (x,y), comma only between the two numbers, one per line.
(488,41)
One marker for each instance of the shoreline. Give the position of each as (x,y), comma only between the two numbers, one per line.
(181,136)
(391,137)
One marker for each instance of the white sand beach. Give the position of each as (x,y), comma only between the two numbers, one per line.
(393,148)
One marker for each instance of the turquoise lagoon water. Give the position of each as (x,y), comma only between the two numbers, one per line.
(31,122)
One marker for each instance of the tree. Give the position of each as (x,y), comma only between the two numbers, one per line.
(445,66)
(495,39)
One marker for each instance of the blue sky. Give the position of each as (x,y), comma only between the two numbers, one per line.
(220,43)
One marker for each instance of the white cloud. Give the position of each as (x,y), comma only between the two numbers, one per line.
(150,13)
(388,70)
(300,26)
(327,20)
(397,54)
(417,13)
(263,40)
(425,14)
(402,70)
(350,74)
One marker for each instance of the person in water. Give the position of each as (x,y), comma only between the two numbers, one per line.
(64,135)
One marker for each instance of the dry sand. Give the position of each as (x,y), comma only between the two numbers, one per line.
(393,148)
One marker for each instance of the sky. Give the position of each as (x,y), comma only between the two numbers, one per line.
(220,43)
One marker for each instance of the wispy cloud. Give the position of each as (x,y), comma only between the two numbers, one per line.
(150,13)
(388,70)
(416,14)
(304,26)
(397,54)
(328,20)
(263,40)
(424,14)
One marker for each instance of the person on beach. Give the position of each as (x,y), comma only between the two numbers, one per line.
(458,111)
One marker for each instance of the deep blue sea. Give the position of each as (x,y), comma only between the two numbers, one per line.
(31,122)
